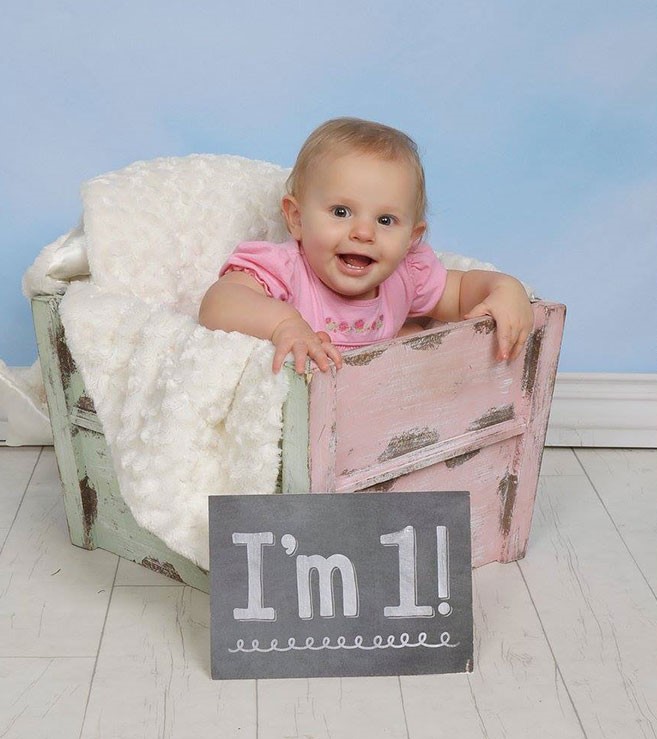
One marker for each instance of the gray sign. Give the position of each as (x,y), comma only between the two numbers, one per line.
(330,584)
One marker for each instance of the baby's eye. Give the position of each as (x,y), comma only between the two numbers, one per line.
(341,211)
(386,220)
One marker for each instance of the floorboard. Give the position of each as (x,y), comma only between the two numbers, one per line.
(16,469)
(626,483)
(598,613)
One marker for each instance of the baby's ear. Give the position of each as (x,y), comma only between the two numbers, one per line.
(292,216)
(418,233)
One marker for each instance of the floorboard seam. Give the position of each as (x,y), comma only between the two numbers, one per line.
(20,504)
(100,642)
(554,657)
(401,695)
(613,523)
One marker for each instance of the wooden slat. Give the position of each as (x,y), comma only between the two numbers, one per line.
(295,472)
(541,357)
(430,455)
(63,388)
(322,435)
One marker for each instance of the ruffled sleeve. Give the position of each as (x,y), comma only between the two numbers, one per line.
(428,277)
(272,265)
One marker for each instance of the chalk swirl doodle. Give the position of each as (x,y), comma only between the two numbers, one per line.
(378,642)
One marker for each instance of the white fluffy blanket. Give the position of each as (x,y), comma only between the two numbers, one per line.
(187,412)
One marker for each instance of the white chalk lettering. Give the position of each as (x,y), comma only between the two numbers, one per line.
(407,608)
(325,567)
(255,609)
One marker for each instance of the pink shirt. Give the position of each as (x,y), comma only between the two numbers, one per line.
(412,290)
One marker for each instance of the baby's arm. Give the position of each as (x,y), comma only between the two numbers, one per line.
(238,302)
(482,293)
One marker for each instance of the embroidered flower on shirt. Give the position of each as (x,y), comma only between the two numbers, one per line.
(359,326)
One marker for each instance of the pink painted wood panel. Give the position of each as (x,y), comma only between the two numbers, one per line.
(398,413)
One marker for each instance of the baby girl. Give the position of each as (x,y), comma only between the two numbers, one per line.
(356,267)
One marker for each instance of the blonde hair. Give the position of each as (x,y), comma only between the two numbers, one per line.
(341,135)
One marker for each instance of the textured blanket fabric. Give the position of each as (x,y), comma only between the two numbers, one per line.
(187,412)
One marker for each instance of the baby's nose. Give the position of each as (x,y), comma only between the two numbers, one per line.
(362,230)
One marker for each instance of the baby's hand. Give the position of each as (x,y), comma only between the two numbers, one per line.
(296,336)
(509,305)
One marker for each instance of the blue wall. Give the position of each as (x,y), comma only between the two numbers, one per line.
(537,123)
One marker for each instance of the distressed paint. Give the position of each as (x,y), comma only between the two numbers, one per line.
(90,510)
(492,417)
(362,357)
(381,487)
(85,403)
(66,363)
(549,321)
(164,568)
(487,326)
(62,388)
(532,354)
(461,459)
(425,342)
(507,490)
(409,441)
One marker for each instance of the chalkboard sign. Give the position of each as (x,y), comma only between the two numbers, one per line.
(328,584)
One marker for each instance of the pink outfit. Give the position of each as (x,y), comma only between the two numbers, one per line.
(412,290)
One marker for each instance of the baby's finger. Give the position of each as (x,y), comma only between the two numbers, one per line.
(318,355)
(505,342)
(279,357)
(333,353)
(301,352)
(520,343)
(479,310)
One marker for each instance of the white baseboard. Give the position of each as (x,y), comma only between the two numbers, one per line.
(4,424)
(604,410)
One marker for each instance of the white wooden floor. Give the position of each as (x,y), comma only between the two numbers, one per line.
(566,640)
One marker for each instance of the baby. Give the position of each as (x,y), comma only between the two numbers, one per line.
(356,267)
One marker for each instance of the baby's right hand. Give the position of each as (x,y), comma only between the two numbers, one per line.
(296,336)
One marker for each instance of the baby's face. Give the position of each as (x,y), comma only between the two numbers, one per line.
(355,221)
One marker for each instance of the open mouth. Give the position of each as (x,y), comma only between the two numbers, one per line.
(355,262)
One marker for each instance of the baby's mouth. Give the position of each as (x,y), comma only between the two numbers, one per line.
(355,261)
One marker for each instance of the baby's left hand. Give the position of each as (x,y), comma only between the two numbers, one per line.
(509,305)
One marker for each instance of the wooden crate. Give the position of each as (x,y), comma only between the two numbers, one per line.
(433,411)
